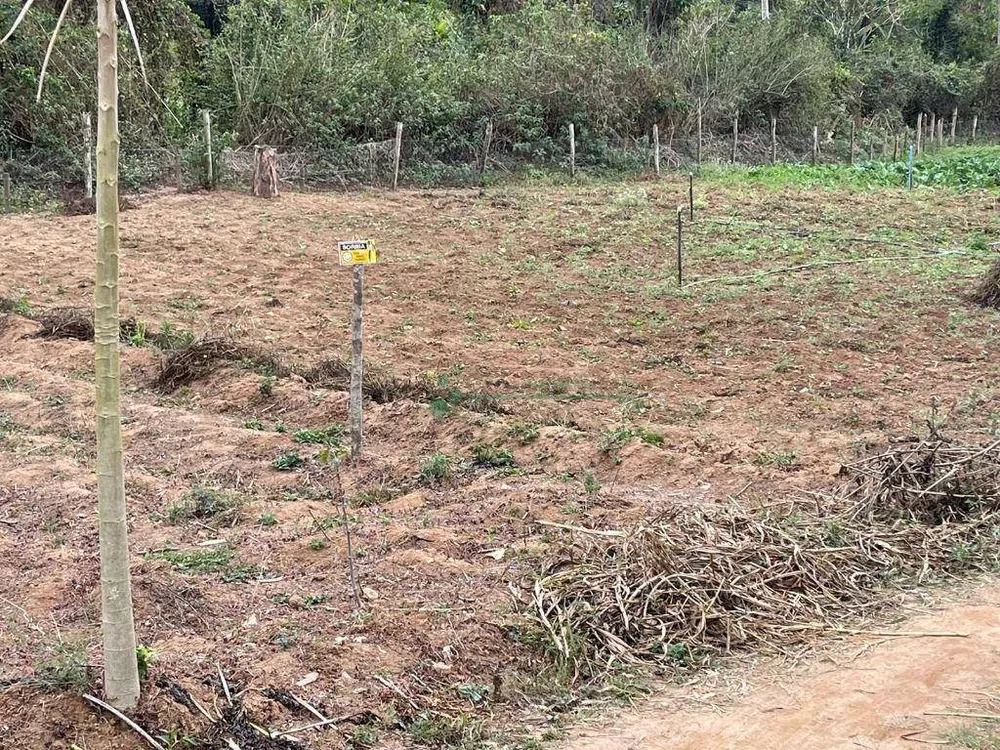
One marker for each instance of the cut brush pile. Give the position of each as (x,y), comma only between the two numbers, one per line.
(987,294)
(703,581)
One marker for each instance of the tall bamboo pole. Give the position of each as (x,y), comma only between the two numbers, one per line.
(121,673)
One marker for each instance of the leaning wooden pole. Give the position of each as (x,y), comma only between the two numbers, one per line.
(121,673)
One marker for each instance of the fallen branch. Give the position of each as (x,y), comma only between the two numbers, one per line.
(138,730)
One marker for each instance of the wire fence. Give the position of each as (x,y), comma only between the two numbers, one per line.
(25,183)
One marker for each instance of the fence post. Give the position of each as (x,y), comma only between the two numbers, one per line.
(680,258)
(871,147)
(656,149)
(699,136)
(774,140)
(975,124)
(815,144)
(909,171)
(209,166)
(940,132)
(920,130)
(933,128)
(895,147)
(88,164)
(487,141)
(736,134)
(396,154)
(854,128)
(572,150)
(954,124)
(691,195)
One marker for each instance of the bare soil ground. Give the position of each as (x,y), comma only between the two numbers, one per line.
(620,395)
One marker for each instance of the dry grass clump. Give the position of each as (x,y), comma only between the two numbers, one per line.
(709,580)
(201,358)
(987,294)
(77,323)
(382,386)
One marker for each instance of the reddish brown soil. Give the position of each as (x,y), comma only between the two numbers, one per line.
(562,302)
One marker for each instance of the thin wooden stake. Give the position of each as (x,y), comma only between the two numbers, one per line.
(572,150)
(920,130)
(691,195)
(975,124)
(954,124)
(680,258)
(854,129)
(656,149)
(396,155)
(736,134)
(774,139)
(487,141)
(698,155)
(909,171)
(940,132)
(895,147)
(815,144)
(209,166)
(339,490)
(933,129)
(357,363)
(88,156)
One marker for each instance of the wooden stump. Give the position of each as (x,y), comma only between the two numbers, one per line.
(265,173)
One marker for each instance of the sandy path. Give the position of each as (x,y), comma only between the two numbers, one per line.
(873,702)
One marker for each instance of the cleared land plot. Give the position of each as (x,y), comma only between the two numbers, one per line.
(550,370)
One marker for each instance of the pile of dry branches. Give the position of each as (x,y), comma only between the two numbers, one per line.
(987,294)
(708,580)
(200,359)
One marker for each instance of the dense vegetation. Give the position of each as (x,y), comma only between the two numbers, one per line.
(321,74)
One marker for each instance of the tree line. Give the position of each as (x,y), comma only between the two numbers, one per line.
(327,74)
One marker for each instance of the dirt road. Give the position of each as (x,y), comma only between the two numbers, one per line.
(878,700)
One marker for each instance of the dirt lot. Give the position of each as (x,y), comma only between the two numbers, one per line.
(618,395)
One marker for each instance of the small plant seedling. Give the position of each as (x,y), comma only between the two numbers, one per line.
(243,573)
(330,435)
(317,544)
(65,670)
(524,434)
(315,600)
(436,468)
(288,461)
(144,656)
(197,561)
(491,457)
(266,386)
(591,485)
(267,519)
(254,424)
(781,459)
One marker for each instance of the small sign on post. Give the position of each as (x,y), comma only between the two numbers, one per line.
(357,254)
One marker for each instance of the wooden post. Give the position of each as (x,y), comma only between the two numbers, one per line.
(854,128)
(975,124)
(909,171)
(656,149)
(680,257)
(487,141)
(920,130)
(88,158)
(940,132)
(209,166)
(265,172)
(815,144)
(933,128)
(871,147)
(736,134)
(691,195)
(357,363)
(572,150)
(7,202)
(774,139)
(954,124)
(765,9)
(396,154)
(698,155)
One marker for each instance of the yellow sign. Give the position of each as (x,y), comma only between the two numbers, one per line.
(357,252)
